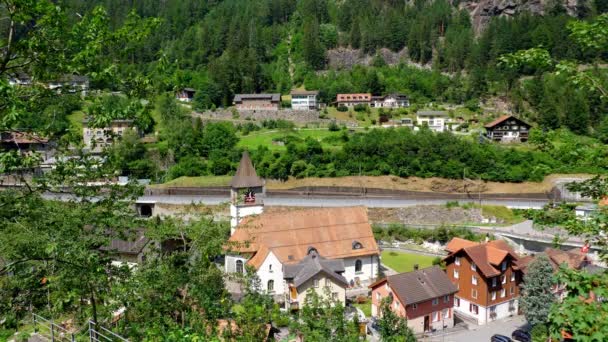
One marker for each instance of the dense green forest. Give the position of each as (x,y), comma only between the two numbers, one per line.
(239,46)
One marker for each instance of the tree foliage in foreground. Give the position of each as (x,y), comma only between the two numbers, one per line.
(537,291)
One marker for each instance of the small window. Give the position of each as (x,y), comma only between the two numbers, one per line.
(358,265)
(473,267)
(474,280)
(474,293)
(334,295)
(512,290)
(270,286)
(503,293)
(312,250)
(456,274)
(457,261)
(513,276)
(446,299)
(503,266)
(503,279)
(474,309)
(493,295)
(457,302)
(493,309)
(494,282)
(435,301)
(327,282)
(436,316)
(270,268)
(315,283)
(396,304)
(446,313)
(414,306)
(239,266)
(378,296)
(357,245)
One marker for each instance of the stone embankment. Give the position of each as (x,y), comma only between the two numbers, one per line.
(297,116)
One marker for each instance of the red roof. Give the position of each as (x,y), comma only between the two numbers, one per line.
(487,256)
(497,121)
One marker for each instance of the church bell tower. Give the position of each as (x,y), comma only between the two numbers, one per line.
(247,191)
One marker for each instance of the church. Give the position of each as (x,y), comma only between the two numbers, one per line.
(289,249)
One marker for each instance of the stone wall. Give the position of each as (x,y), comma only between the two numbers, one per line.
(297,116)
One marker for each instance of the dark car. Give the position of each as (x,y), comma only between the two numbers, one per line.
(500,338)
(521,335)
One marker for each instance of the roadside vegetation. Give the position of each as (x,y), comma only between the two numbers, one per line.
(441,234)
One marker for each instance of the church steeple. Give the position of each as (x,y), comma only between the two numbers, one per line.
(246,192)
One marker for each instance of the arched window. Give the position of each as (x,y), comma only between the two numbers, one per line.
(239,266)
(358,265)
(357,245)
(312,250)
(270,285)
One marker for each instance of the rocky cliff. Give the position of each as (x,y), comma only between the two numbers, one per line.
(483,10)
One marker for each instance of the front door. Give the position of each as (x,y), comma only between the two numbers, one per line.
(426,323)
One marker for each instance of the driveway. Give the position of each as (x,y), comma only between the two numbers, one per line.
(481,333)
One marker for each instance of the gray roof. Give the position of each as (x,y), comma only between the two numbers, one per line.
(133,243)
(432,113)
(272,97)
(312,265)
(245,176)
(421,285)
(304,92)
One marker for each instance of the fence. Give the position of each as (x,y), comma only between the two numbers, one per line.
(48,330)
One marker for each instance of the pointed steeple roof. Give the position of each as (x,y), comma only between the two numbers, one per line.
(245,176)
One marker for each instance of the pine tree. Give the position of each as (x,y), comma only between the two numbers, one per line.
(355,35)
(314,53)
(537,298)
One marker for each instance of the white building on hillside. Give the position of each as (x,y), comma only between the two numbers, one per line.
(435,120)
(304,100)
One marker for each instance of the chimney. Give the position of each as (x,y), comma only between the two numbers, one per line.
(415,267)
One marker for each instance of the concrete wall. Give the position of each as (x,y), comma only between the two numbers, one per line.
(230,263)
(369,269)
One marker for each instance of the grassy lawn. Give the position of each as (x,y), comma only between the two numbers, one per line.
(196,182)
(270,138)
(404,262)
(365,307)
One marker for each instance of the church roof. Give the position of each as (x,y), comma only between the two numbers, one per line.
(335,233)
(245,176)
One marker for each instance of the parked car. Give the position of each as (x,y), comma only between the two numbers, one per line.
(521,335)
(500,338)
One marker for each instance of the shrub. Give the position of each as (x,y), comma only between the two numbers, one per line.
(342,108)
(360,107)
(333,127)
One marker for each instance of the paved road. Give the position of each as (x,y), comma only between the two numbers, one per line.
(481,333)
(339,201)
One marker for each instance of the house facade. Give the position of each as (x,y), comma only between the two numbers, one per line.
(425,297)
(186,95)
(72,84)
(487,277)
(304,100)
(257,101)
(350,100)
(97,138)
(390,101)
(317,274)
(508,128)
(435,120)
